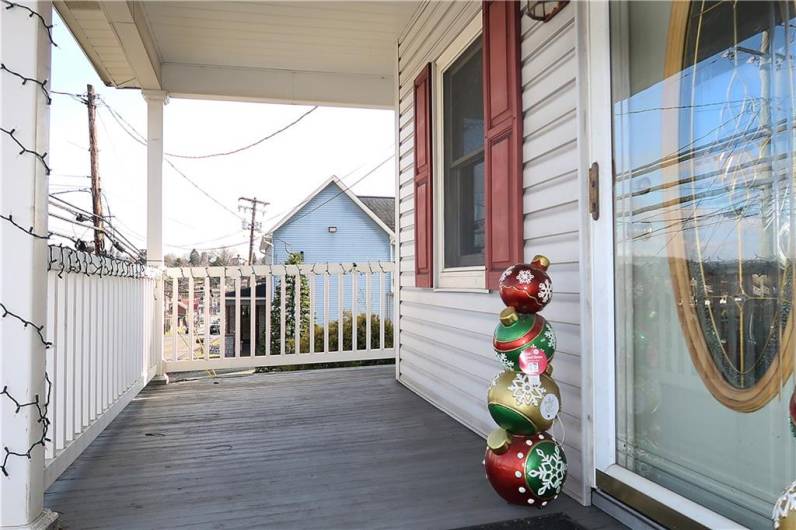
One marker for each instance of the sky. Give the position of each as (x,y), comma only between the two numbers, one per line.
(282,171)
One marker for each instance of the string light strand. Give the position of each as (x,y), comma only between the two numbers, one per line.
(31,14)
(41,411)
(26,323)
(29,230)
(40,156)
(25,79)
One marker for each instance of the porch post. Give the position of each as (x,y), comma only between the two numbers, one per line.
(24,48)
(155,101)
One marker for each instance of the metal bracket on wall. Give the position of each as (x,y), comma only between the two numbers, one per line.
(594,191)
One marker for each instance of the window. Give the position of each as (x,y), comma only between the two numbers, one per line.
(460,176)
(463,166)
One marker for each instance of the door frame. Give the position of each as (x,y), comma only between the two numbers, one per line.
(629,488)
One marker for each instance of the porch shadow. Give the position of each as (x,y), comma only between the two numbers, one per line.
(338,448)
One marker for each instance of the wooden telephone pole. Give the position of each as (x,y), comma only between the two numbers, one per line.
(96,187)
(254,203)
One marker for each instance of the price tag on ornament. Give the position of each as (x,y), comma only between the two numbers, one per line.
(533,362)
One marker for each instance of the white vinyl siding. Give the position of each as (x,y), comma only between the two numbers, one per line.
(446,354)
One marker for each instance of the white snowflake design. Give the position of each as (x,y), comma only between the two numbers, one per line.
(551,471)
(785,505)
(545,290)
(550,338)
(493,384)
(506,273)
(505,361)
(525,276)
(525,392)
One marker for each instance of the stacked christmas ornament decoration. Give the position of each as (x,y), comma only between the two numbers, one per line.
(524,463)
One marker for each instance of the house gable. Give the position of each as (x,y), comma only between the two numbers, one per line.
(332,226)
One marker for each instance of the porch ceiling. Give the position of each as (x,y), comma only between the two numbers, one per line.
(340,53)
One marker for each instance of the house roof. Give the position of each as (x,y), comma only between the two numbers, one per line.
(383,207)
(359,201)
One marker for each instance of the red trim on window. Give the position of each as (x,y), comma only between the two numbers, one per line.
(502,139)
(423,197)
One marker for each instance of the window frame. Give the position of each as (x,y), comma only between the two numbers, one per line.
(457,278)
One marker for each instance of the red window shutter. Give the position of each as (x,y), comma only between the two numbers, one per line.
(502,138)
(424,212)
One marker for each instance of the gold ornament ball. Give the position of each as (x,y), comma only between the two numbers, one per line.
(522,407)
(785,510)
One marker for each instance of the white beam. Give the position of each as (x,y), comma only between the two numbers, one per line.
(129,23)
(278,86)
(24,48)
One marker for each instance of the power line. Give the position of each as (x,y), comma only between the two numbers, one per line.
(201,190)
(249,146)
(142,140)
(135,135)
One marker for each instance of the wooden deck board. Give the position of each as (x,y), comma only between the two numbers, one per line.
(344,448)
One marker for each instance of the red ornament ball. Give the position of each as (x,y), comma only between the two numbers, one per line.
(793,412)
(527,287)
(526,470)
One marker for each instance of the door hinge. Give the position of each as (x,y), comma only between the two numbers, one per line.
(594,191)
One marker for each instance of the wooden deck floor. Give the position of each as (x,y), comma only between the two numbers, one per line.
(344,448)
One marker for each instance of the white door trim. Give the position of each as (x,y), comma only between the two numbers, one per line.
(598,74)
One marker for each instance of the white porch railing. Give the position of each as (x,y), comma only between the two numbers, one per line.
(228,317)
(103,350)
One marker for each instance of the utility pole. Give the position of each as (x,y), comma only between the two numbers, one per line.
(96,187)
(254,204)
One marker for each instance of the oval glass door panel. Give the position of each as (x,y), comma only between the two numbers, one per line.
(728,196)
(704,228)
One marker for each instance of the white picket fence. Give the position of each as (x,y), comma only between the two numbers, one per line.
(205,309)
(103,350)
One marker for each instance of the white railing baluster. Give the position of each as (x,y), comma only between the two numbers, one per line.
(354,307)
(61,364)
(252,315)
(190,317)
(80,351)
(85,358)
(367,308)
(268,287)
(297,311)
(326,311)
(382,306)
(340,308)
(237,316)
(207,296)
(222,309)
(70,360)
(92,352)
(282,296)
(49,362)
(175,311)
(311,324)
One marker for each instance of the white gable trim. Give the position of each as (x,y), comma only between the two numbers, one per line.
(347,191)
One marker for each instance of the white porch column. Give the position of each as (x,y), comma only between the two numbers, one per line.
(24,48)
(155,101)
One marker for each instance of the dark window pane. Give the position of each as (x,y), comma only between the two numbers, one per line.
(464,160)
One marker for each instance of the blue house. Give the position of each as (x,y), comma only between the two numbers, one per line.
(333,225)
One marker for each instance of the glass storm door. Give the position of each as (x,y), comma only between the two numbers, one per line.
(703,141)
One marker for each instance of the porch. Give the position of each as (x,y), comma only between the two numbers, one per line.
(334,448)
